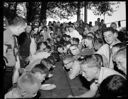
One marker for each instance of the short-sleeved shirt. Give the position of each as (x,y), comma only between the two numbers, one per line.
(9,42)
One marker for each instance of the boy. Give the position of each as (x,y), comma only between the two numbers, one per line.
(72,66)
(27,87)
(120,59)
(92,69)
(110,36)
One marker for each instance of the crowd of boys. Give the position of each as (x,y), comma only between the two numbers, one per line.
(95,52)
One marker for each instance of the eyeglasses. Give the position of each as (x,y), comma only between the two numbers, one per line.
(68,63)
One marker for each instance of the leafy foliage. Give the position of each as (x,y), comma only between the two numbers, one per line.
(103,7)
(62,10)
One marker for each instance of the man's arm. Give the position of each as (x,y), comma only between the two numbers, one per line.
(16,71)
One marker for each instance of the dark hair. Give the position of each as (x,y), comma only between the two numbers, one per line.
(90,38)
(47,62)
(17,21)
(70,26)
(68,57)
(48,47)
(51,60)
(109,29)
(121,51)
(113,86)
(51,28)
(39,44)
(48,39)
(42,68)
(120,45)
(76,40)
(45,27)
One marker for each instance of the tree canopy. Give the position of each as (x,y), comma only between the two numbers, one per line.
(62,10)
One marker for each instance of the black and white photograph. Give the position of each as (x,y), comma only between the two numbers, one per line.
(64,49)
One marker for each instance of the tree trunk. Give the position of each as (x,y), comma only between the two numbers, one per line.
(104,17)
(85,11)
(43,11)
(15,6)
(30,12)
(78,11)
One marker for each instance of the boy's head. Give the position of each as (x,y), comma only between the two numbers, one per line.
(114,86)
(113,25)
(28,85)
(90,66)
(41,45)
(60,48)
(48,48)
(110,35)
(118,46)
(74,50)
(75,41)
(68,62)
(88,41)
(48,62)
(120,59)
(70,28)
(40,71)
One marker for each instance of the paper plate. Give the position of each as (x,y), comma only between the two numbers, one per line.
(48,86)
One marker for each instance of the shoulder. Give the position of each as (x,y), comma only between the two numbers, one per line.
(109,72)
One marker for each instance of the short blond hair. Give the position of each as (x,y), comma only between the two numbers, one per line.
(95,59)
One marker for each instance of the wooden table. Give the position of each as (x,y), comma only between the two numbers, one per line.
(64,86)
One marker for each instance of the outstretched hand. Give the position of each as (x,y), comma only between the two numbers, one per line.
(94,86)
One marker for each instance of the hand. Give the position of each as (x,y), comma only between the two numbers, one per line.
(21,70)
(70,96)
(94,86)
(15,50)
(28,58)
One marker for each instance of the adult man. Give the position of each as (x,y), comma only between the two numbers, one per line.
(16,27)
(92,69)
(24,41)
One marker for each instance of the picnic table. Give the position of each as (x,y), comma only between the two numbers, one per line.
(64,86)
